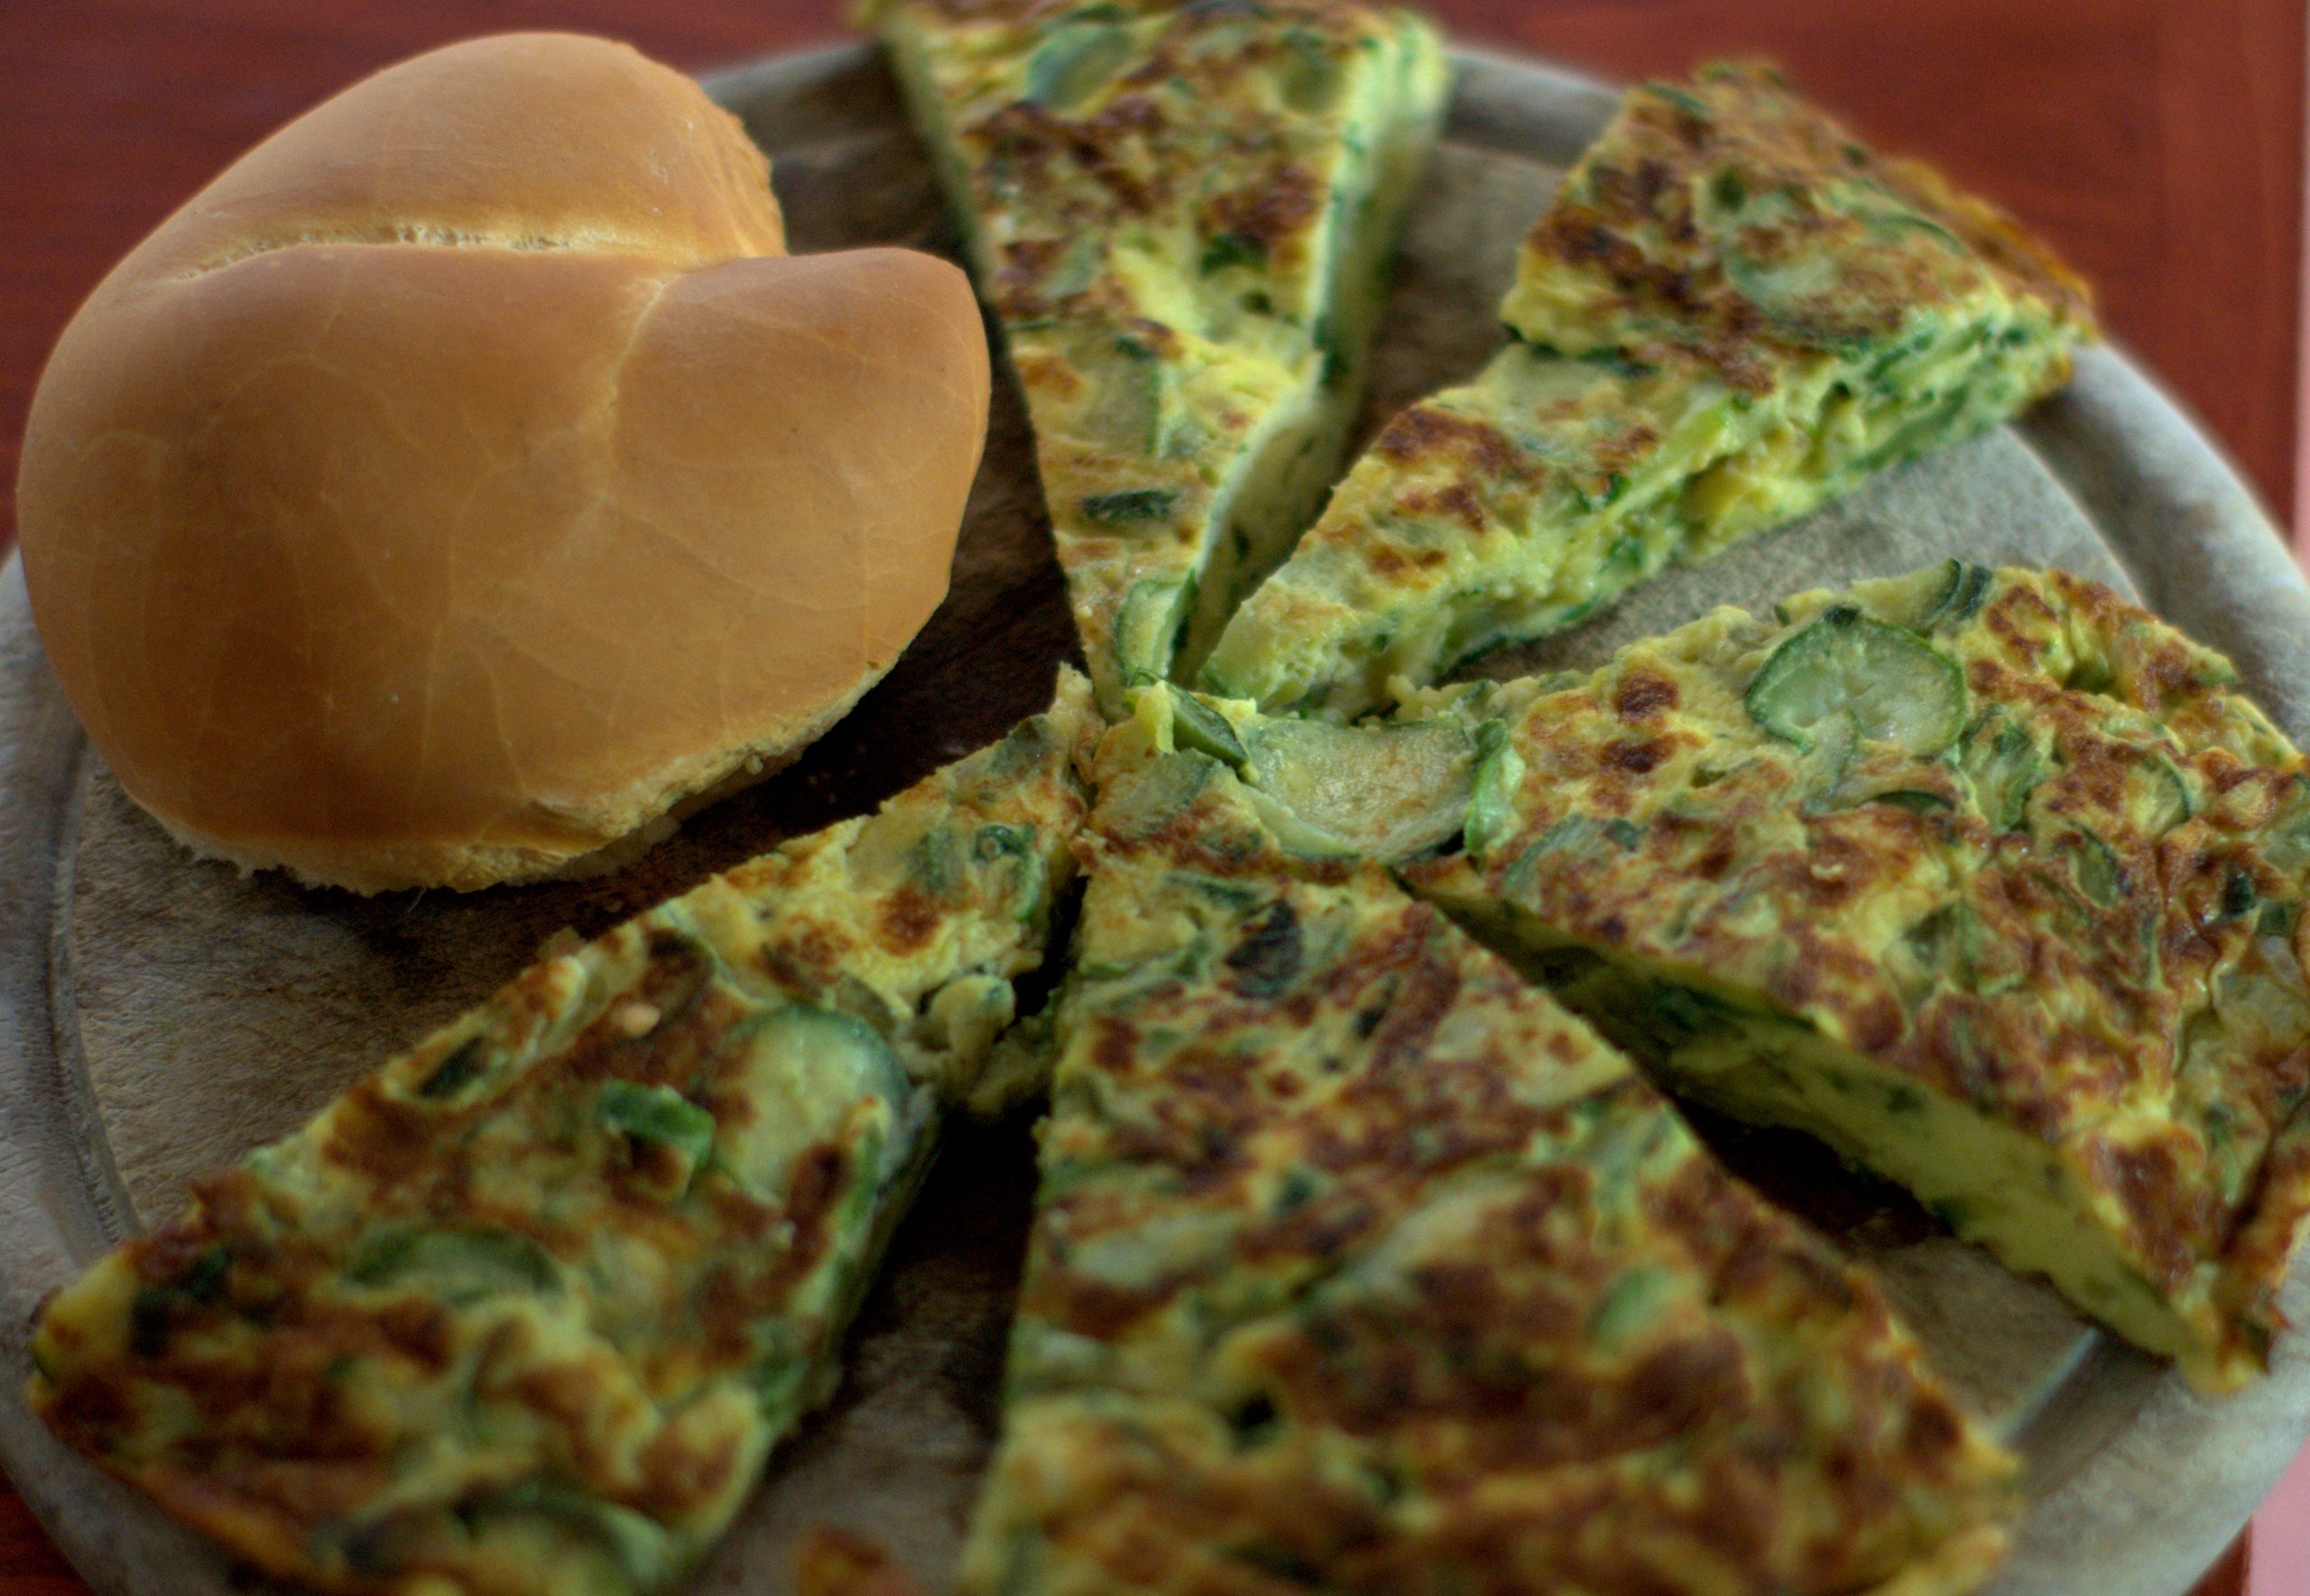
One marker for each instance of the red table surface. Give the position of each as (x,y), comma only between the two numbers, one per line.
(2159,142)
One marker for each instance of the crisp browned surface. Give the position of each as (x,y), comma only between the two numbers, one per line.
(2156,141)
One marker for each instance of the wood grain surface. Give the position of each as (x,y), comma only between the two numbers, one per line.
(2157,142)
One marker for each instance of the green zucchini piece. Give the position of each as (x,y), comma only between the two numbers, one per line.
(1146,626)
(929,859)
(1074,60)
(658,1114)
(1828,766)
(1491,800)
(1389,791)
(457,1266)
(641,1547)
(1155,803)
(1130,412)
(1130,504)
(1224,250)
(464,1065)
(1809,294)
(2002,765)
(1198,727)
(1294,835)
(2158,795)
(151,1314)
(1953,598)
(849,1057)
(1888,683)
(1947,946)
(1965,598)
(2094,866)
(1917,800)
(1016,844)
(2286,842)
(1631,1305)
(1574,834)
(2238,894)
(818,1066)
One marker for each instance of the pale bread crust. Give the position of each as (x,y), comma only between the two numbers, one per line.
(467,477)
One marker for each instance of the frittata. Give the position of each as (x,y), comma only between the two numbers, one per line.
(1731,313)
(1987,878)
(525,1310)
(1182,215)
(1359,1264)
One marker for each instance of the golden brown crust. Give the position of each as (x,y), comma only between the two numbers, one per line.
(466,476)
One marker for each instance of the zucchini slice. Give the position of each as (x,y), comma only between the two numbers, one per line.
(1890,684)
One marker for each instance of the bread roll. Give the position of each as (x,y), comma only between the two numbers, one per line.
(467,477)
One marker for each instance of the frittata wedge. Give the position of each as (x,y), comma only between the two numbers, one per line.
(1182,215)
(526,1310)
(1989,879)
(1360,1265)
(1731,313)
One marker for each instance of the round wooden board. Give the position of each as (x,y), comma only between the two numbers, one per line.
(159,1015)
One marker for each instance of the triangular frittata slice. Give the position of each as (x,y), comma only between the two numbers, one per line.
(1360,1265)
(526,1310)
(1989,879)
(1731,313)
(1183,217)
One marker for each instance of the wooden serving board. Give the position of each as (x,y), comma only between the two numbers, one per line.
(159,1015)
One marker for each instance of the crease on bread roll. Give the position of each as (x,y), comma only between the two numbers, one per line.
(468,479)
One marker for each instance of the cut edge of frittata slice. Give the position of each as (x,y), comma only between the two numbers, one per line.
(1360,1263)
(1183,217)
(1731,313)
(526,1309)
(1990,880)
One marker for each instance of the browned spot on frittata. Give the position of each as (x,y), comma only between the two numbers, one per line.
(1423,432)
(1642,694)
(1272,213)
(909,917)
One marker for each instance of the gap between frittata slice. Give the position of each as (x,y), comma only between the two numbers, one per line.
(1731,313)
(526,1310)
(1183,217)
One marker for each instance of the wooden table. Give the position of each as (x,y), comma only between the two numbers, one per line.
(2157,142)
